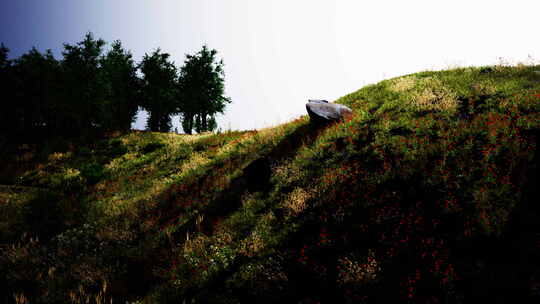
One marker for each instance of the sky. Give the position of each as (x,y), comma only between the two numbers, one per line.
(280,53)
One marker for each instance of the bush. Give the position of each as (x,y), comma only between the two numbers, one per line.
(92,173)
(68,180)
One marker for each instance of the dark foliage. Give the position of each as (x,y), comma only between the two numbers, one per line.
(201,91)
(89,92)
(123,88)
(159,90)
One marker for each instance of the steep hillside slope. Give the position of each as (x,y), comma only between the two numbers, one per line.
(428,194)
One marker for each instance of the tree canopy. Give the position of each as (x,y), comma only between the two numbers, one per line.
(159,90)
(201,91)
(83,86)
(94,89)
(122,88)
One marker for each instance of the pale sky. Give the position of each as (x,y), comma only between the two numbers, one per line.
(280,53)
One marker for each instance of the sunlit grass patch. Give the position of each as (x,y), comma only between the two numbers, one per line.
(296,201)
(403,84)
(195,161)
(287,173)
(59,156)
(485,87)
(432,95)
(261,236)
(143,177)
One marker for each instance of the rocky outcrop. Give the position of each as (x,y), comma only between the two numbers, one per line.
(321,111)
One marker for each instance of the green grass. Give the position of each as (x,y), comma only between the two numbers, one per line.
(430,180)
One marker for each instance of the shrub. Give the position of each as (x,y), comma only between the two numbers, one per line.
(92,173)
(68,180)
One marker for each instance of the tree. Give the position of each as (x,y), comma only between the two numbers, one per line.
(35,84)
(159,90)
(7,102)
(82,103)
(4,51)
(122,88)
(201,91)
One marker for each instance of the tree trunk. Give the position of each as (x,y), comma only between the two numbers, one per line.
(187,123)
(204,124)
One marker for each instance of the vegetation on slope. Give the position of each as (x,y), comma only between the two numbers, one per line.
(427,194)
(91,92)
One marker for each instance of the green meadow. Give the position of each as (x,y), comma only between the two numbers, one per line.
(429,193)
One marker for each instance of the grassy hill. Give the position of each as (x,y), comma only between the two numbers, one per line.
(427,194)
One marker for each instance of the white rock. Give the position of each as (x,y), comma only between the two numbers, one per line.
(323,111)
